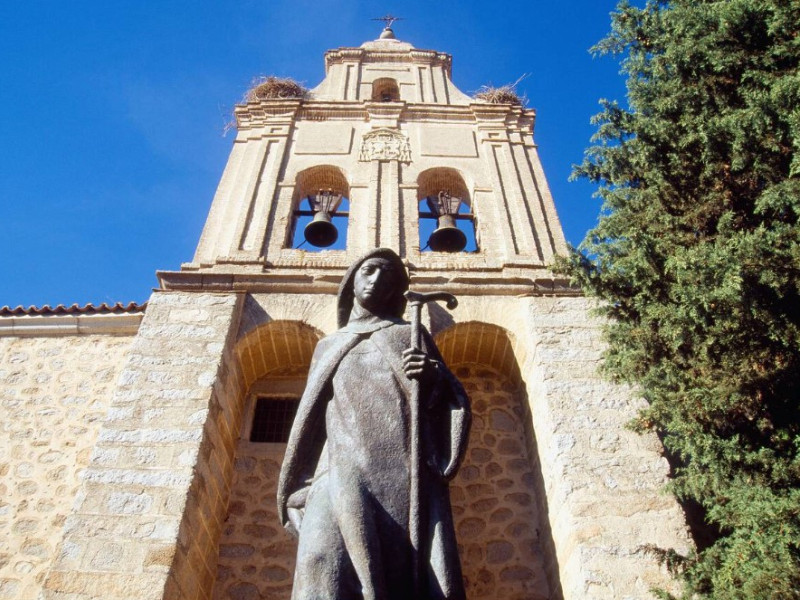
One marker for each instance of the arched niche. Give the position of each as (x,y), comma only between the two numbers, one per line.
(312,181)
(499,505)
(431,181)
(276,349)
(430,184)
(256,556)
(385,89)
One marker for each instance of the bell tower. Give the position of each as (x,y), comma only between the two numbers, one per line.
(387,130)
(556,499)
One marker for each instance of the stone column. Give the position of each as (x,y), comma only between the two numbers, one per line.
(540,227)
(280,215)
(351,82)
(492,135)
(372,206)
(252,228)
(409,222)
(515,199)
(546,199)
(147,519)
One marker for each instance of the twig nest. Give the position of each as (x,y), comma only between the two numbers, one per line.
(271,88)
(504,94)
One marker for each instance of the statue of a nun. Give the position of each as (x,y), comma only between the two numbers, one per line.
(344,487)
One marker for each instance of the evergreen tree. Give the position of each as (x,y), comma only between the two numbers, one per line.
(697,260)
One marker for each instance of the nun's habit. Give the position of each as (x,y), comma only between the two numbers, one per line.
(346,474)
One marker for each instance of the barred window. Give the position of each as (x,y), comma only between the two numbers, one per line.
(272,419)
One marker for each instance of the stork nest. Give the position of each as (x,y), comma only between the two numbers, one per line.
(504,94)
(267,88)
(271,88)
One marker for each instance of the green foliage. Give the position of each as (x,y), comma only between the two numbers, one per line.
(697,256)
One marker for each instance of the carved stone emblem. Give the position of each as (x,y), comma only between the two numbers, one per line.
(384,144)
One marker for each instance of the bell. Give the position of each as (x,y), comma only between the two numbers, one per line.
(321,232)
(447,237)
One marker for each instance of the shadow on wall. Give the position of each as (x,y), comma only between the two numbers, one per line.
(498,498)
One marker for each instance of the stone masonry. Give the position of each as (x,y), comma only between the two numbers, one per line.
(55,394)
(494,494)
(148,515)
(256,555)
(493,500)
(604,484)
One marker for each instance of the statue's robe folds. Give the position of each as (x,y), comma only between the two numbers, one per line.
(347,472)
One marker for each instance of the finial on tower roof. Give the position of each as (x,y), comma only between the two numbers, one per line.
(387,33)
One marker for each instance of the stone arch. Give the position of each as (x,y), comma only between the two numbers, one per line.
(256,556)
(431,181)
(498,496)
(385,89)
(479,343)
(319,177)
(276,349)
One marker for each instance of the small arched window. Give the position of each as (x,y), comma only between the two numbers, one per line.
(385,89)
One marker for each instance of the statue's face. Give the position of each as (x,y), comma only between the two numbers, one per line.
(374,284)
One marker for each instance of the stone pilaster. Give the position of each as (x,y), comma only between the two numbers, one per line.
(278,223)
(389,226)
(604,484)
(146,521)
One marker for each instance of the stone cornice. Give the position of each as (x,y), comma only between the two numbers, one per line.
(274,112)
(278,111)
(327,282)
(70,324)
(401,54)
(323,110)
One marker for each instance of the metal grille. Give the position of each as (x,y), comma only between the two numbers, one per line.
(272,420)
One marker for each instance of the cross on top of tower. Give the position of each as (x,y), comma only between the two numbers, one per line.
(388,20)
(387,33)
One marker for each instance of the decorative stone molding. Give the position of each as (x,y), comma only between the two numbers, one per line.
(385,144)
(267,112)
(392,52)
(36,325)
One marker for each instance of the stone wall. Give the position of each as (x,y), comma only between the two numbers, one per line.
(494,495)
(54,394)
(494,504)
(605,484)
(147,517)
(171,498)
(256,555)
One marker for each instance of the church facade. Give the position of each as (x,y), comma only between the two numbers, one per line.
(140,445)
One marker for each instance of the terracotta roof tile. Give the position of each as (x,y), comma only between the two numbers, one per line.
(75,309)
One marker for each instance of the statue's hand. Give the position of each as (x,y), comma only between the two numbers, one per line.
(417,365)
(295,509)
(295,519)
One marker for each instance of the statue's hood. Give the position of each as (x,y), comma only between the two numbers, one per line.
(345,296)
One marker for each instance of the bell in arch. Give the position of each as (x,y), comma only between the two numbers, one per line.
(447,237)
(321,232)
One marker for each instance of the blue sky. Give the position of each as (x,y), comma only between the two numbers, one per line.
(113,114)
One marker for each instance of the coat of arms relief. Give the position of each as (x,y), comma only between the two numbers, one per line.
(384,144)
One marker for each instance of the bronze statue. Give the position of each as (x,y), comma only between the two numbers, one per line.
(372,524)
